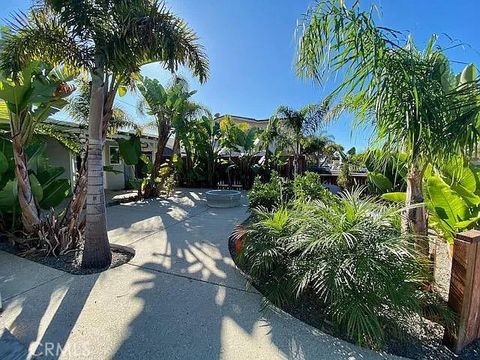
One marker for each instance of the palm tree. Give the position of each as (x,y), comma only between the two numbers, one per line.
(318,146)
(297,123)
(78,109)
(417,105)
(267,141)
(167,105)
(111,40)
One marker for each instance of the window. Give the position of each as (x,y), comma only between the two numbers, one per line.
(114,155)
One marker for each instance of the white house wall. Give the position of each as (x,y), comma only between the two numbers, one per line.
(59,156)
(113,181)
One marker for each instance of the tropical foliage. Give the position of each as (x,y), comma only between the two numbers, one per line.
(26,100)
(349,254)
(300,123)
(169,106)
(418,106)
(110,40)
(279,192)
(240,139)
(452,196)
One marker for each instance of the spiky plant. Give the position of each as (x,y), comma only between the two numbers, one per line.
(351,254)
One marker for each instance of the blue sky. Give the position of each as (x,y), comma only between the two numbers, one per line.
(251,47)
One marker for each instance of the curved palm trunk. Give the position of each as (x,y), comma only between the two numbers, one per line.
(96,253)
(151,189)
(30,216)
(414,220)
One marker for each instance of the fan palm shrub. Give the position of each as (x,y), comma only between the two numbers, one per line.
(350,254)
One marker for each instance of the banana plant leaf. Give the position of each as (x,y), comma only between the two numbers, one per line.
(445,203)
(8,196)
(398,197)
(130,150)
(55,193)
(37,189)
(3,164)
(380,181)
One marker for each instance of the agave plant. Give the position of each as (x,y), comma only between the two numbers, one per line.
(351,254)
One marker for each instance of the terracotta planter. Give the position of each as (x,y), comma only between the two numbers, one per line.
(236,240)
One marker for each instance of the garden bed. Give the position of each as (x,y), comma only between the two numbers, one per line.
(70,262)
(423,339)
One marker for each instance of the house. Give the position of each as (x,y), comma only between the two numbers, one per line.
(118,174)
(259,123)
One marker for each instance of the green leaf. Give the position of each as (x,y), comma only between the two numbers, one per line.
(446,203)
(469,197)
(48,174)
(398,197)
(8,196)
(380,181)
(456,173)
(467,223)
(34,152)
(468,74)
(3,163)
(130,150)
(122,90)
(55,193)
(4,117)
(37,189)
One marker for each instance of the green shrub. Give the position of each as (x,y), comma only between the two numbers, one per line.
(271,194)
(280,191)
(350,254)
(309,187)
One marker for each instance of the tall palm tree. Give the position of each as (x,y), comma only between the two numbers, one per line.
(78,109)
(111,40)
(298,123)
(266,141)
(318,146)
(415,102)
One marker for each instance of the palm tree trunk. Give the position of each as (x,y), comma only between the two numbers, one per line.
(30,216)
(151,189)
(414,220)
(73,213)
(96,253)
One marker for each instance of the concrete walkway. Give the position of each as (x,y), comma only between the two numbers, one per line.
(180,297)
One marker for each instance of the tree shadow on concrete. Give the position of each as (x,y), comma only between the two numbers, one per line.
(42,318)
(196,304)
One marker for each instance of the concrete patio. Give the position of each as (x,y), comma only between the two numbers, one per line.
(180,297)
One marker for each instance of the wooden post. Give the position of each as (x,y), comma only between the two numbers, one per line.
(464,296)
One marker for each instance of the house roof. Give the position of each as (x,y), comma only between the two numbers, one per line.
(73,127)
(261,122)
